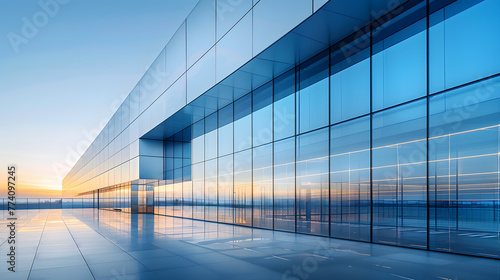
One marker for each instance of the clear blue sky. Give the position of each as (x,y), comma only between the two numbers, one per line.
(69,73)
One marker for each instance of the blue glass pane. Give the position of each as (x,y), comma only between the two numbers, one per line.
(225,190)
(350,85)
(399,67)
(243,133)
(200,30)
(263,186)
(350,179)
(284,185)
(462,47)
(313,97)
(262,121)
(211,190)
(399,175)
(284,117)
(312,182)
(243,107)
(262,96)
(243,188)
(463,169)
(229,12)
(235,48)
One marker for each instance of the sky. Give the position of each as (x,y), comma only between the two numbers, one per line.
(65,67)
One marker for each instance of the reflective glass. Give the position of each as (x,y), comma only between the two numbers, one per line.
(211,145)
(225,190)
(187,193)
(226,140)
(177,195)
(284,105)
(349,84)
(243,133)
(462,44)
(176,55)
(274,18)
(175,96)
(243,188)
(350,179)
(262,122)
(211,190)
(399,175)
(399,66)
(313,99)
(284,185)
(464,193)
(200,30)
(229,12)
(284,117)
(235,48)
(263,186)
(201,76)
(169,198)
(198,174)
(312,182)
(198,146)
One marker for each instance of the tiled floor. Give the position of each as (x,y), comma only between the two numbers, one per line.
(91,244)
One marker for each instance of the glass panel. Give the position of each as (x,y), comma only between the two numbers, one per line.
(284,185)
(201,76)
(243,133)
(225,191)
(312,182)
(161,198)
(229,12)
(350,82)
(211,190)
(187,193)
(313,99)
(198,145)
(177,207)
(284,105)
(211,145)
(169,197)
(462,47)
(198,191)
(464,170)
(399,66)
(262,121)
(399,175)
(226,140)
(200,30)
(350,179)
(274,18)
(263,186)
(284,117)
(235,48)
(243,188)
(175,97)
(176,55)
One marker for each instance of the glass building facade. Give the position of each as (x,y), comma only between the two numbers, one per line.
(390,135)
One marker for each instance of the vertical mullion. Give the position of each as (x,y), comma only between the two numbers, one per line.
(272,149)
(251,155)
(427,124)
(232,154)
(371,132)
(296,103)
(329,141)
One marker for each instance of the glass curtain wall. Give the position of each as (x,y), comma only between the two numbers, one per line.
(116,198)
(390,136)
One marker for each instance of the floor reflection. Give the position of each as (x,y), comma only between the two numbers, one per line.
(92,244)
